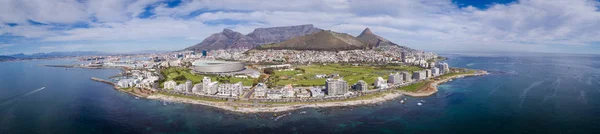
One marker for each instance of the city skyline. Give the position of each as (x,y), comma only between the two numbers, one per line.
(167,25)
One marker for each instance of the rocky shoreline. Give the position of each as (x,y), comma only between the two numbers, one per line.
(246,107)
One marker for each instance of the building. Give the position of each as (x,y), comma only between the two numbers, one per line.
(260,90)
(170,84)
(274,94)
(209,87)
(403,56)
(395,78)
(435,71)
(336,86)
(406,76)
(197,89)
(419,75)
(188,86)
(127,83)
(361,85)
(180,88)
(303,93)
(316,92)
(428,73)
(431,64)
(233,90)
(380,83)
(288,91)
(444,68)
(216,67)
(204,53)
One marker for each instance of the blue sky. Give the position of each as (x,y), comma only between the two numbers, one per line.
(31,26)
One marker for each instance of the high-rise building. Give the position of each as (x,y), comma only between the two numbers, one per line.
(403,56)
(336,86)
(444,68)
(204,53)
(188,86)
(419,75)
(435,71)
(394,78)
(197,89)
(406,76)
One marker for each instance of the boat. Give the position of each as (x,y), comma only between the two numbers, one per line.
(137,97)
(419,103)
(402,101)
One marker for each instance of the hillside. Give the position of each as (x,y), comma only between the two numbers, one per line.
(231,39)
(374,40)
(324,40)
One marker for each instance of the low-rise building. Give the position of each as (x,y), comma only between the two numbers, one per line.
(274,94)
(316,92)
(260,91)
(170,84)
(361,85)
(303,93)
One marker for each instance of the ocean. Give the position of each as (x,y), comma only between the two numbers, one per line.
(525,93)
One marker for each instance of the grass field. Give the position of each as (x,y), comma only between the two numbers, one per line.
(181,75)
(413,87)
(305,75)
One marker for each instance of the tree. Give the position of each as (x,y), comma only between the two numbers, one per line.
(269,71)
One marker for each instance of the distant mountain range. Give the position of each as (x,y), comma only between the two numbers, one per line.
(301,37)
(231,39)
(55,54)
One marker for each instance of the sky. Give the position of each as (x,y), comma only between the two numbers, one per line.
(562,26)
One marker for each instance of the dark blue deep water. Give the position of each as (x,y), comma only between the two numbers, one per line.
(533,93)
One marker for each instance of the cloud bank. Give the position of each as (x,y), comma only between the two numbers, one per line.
(436,25)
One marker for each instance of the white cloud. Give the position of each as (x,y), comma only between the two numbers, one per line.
(536,25)
(5,45)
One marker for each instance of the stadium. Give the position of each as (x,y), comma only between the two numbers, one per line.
(216,67)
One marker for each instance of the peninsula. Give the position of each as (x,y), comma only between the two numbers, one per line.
(299,67)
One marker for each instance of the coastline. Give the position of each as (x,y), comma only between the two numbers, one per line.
(274,108)
(428,89)
(431,88)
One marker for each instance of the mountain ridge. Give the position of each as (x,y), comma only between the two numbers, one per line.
(231,39)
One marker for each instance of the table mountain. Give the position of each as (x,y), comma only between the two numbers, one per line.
(324,40)
(231,39)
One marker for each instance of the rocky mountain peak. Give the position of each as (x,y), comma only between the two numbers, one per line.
(366,31)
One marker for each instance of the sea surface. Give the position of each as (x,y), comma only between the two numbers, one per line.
(525,93)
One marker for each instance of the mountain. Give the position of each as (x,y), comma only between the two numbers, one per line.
(6,58)
(374,40)
(231,39)
(324,40)
(221,40)
(56,54)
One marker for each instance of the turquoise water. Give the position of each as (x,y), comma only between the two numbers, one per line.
(540,93)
